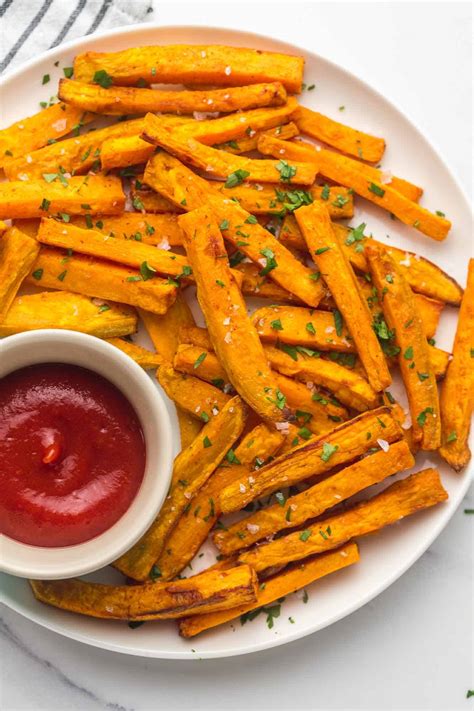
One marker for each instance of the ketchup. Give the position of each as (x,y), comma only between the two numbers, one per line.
(72,455)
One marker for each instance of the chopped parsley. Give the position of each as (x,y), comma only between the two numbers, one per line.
(287,171)
(236,178)
(155,572)
(421,419)
(199,360)
(146,271)
(325,192)
(37,274)
(271,261)
(338,322)
(376,189)
(206,442)
(68,72)
(276,325)
(102,78)
(304,535)
(328,451)
(310,328)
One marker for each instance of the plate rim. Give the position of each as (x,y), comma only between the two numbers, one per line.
(187,655)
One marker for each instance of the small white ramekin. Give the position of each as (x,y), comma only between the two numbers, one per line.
(61,346)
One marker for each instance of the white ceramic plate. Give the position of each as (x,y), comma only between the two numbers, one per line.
(389,554)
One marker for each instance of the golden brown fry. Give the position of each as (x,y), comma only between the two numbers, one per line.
(209,591)
(145,358)
(60,309)
(193,527)
(439,361)
(195,335)
(249,142)
(147,201)
(84,275)
(313,502)
(195,396)
(342,171)
(276,199)
(184,146)
(171,178)
(37,198)
(316,415)
(324,248)
(164,330)
(191,470)
(116,101)
(236,125)
(423,276)
(344,444)
(230,328)
(131,253)
(75,155)
(191,65)
(348,386)
(125,151)
(428,309)
(300,326)
(414,493)
(287,582)
(36,131)
(263,287)
(196,361)
(344,138)
(403,319)
(457,391)
(189,427)
(18,253)
(160,230)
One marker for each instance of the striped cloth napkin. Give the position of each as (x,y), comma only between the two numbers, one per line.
(29,27)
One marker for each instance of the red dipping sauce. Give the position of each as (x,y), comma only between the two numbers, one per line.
(72,455)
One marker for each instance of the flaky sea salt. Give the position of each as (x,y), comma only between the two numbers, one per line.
(383,444)
(253,528)
(242,488)
(228,71)
(283,427)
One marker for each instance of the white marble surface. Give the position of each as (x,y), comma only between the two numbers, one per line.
(412,647)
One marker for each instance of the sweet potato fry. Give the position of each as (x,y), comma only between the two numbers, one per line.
(193,526)
(344,444)
(60,309)
(250,142)
(423,276)
(439,361)
(164,330)
(160,230)
(262,286)
(18,253)
(124,151)
(344,138)
(191,65)
(209,591)
(277,587)
(200,399)
(457,391)
(191,470)
(116,101)
(409,190)
(145,358)
(348,386)
(414,493)
(300,326)
(131,253)
(221,164)
(402,318)
(324,247)
(277,199)
(179,184)
(201,363)
(230,328)
(236,125)
(314,415)
(75,155)
(313,502)
(342,171)
(196,336)
(147,201)
(189,427)
(428,309)
(36,131)
(84,275)
(37,198)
